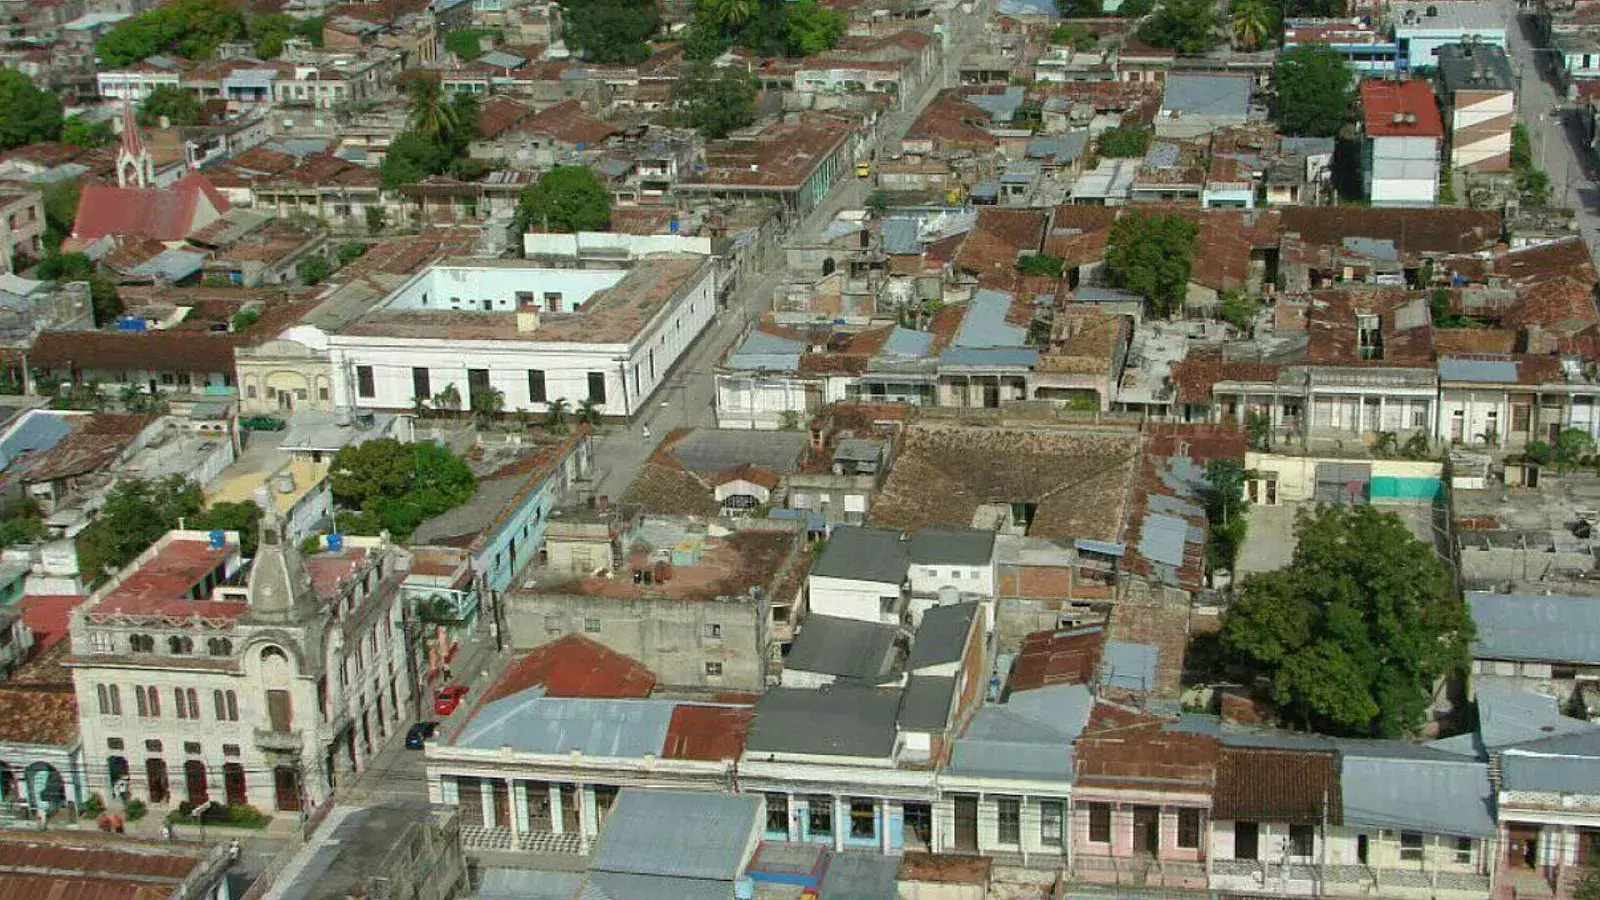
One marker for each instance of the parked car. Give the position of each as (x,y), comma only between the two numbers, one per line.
(419,734)
(446,699)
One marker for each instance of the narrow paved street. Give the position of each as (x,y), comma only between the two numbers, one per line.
(688,398)
(1555,129)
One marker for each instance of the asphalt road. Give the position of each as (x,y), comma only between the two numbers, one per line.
(1555,129)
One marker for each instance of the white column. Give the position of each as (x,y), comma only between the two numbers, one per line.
(586,811)
(794,817)
(486,792)
(840,821)
(518,809)
(557,819)
(885,814)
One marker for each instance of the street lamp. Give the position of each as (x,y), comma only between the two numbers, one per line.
(199,815)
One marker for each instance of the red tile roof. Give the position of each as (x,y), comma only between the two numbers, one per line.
(38,715)
(163,214)
(709,733)
(1399,109)
(575,666)
(90,867)
(48,615)
(567,122)
(162,584)
(1300,787)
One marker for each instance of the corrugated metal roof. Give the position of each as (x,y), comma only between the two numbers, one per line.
(1002,106)
(900,234)
(677,834)
(844,648)
(38,430)
(906,342)
(1207,95)
(1496,371)
(766,352)
(1507,717)
(941,638)
(860,876)
(708,450)
(173,265)
(863,554)
(624,886)
(1569,764)
(1534,627)
(1130,666)
(501,59)
(990,356)
(1161,539)
(984,323)
(528,884)
(1418,795)
(1105,548)
(839,720)
(1012,759)
(532,723)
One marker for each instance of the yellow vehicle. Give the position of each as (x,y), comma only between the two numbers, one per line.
(863,170)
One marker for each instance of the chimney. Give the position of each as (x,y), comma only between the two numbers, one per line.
(527,321)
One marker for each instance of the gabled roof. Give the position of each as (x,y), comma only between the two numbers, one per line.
(941,637)
(1300,787)
(844,648)
(575,666)
(1536,627)
(1432,796)
(863,554)
(678,835)
(162,214)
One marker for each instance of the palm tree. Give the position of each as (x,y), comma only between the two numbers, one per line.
(449,398)
(729,13)
(488,404)
(431,113)
(556,413)
(588,413)
(1252,22)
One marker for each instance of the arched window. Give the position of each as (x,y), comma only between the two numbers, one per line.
(226,704)
(142,643)
(274,653)
(180,644)
(219,646)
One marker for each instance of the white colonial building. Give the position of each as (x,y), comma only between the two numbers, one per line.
(461,332)
(201,675)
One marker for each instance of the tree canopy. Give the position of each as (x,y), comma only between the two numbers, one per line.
(1187,26)
(269,32)
(27,114)
(170,102)
(765,27)
(137,512)
(715,101)
(441,128)
(190,28)
(80,132)
(1122,142)
(610,31)
(1252,23)
(565,199)
(1356,631)
(243,516)
(1152,256)
(392,486)
(1314,87)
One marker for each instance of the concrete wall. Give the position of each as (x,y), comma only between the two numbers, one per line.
(850,599)
(667,636)
(1297,475)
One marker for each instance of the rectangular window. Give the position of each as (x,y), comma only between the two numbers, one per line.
(1411,846)
(1189,828)
(591,625)
(525,300)
(103,696)
(552,624)
(1008,819)
(177,701)
(230,749)
(1050,821)
(1302,841)
(552,301)
(421,384)
(714,669)
(713,631)
(863,819)
(597,387)
(365,386)
(1100,823)
(819,815)
(152,746)
(115,695)
(140,705)
(536,392)
(114,743)
(778,814)
(191,747)
(1246,840)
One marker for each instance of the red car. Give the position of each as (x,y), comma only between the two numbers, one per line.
(445,700)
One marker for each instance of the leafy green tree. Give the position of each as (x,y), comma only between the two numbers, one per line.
(243,516)
(1258,430)
(1122,142)
(28,115)
(136,513)
(1354,634)
(411,157)
(1224,501)
(21,523)
(1251,22)
(377,216)
(80,132)
(396,487)
(556,413)
(1238,310)
(1073,35)
(432,114)
(1187,26)
(105,300)
(713,101)
(1314,91)
(314,269)
(190,28)
(488,405)
(1039,264)
(66,267)
(610,31)
(1571,445)
(726,13)
(1135,9)
(565,199)
(173,103)
(244,318)
(60,210)
(704,40)
(587,412)
(812,27)
(464,110)
(1152,256)
(1588,886)
(1077,9)
(467,43)
(350,251)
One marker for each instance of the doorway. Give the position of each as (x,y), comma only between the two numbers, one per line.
(233,784)
(919,826)
(569,809)
(1246,840)
(116,773)
(538,796)
(1522,846)
(286,788)
(1147,830)
(155,774)
(502,804)
(967,822)
(194,781)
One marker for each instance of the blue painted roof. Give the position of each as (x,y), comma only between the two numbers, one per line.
(899,235)
(1208,95)
(677,834)
(906,342)
(1162,537)
(1495,371)
(762,351)
(1059,149)
(530,722)
(1103,547)
(1131,666)
(1440,797)
(37,431)
(174,265)
(984,324)
(1003,106)
(1536,627)
(990,356)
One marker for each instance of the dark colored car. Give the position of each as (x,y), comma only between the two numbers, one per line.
(419,734)
(445,700)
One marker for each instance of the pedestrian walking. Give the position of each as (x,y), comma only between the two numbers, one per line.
(646,432)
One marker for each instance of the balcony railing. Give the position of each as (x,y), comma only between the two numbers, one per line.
(282,741)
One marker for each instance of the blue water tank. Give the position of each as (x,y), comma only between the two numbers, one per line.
(335,542)
(131,323)
(219,538)
(673,225)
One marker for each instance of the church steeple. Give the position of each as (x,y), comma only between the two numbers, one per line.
(134,167)
(279,584)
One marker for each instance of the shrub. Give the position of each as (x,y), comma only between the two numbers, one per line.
(92,807)
(134,810)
